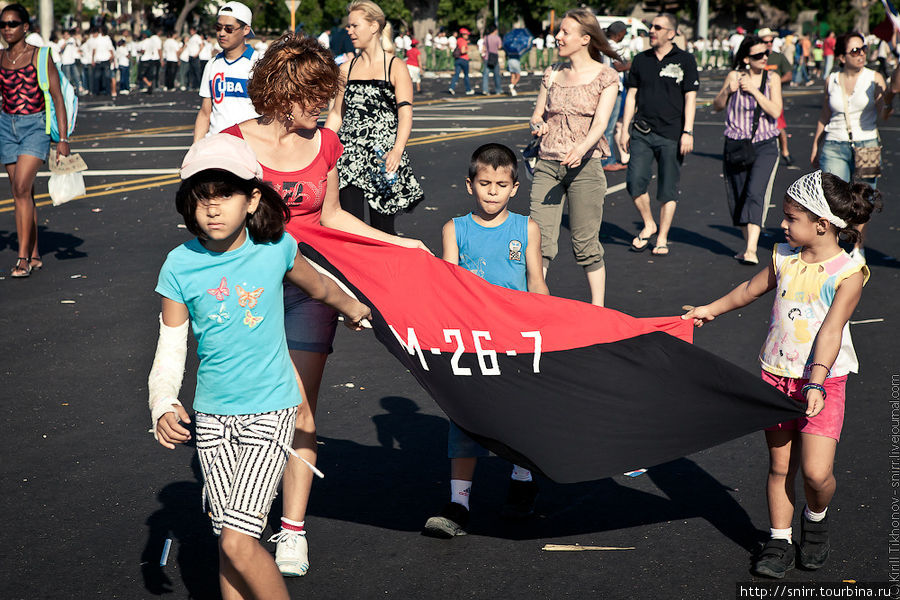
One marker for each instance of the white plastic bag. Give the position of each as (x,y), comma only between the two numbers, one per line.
(65,187)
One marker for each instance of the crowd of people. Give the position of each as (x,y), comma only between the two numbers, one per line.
(261,166)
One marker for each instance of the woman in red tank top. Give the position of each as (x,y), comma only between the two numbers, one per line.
(24,143)
(291,84)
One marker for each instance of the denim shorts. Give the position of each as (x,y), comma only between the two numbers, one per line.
(308,324)
(513,65)
(837,158)
(645,147)
(23,134)
(460,445)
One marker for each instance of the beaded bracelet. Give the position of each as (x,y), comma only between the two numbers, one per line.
(814,386)
(820,365)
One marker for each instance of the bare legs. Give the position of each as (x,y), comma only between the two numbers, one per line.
(247,570)
(297,476)
(666,216)
(21,177)
(788,450)
(751,234)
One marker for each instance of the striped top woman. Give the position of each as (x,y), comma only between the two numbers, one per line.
(749,186)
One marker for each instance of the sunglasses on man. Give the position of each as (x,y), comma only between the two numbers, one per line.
(228,28)
(656,27)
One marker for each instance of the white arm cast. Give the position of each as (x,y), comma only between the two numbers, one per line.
(164,382)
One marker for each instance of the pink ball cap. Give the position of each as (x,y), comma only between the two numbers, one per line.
(224,152)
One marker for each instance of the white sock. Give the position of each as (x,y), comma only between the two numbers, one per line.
(520,474)
(814,516)
(460,489)
(781,534)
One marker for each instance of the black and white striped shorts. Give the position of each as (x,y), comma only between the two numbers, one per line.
(243,458)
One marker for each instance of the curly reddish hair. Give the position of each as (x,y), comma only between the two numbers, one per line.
(295,68)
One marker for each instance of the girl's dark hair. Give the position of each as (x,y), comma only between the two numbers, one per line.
(587,20)
(496,156)
(266,224)
(853,202)
(19,10)
(744,51)
(840,46)
(295,68)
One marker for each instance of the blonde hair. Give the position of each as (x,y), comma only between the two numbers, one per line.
(373,14)
(599,44)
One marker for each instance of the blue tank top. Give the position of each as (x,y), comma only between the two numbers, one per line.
(496,254)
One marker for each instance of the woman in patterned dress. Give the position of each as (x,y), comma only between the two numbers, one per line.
(373,119)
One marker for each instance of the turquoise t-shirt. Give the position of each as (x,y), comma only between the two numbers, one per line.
(237,314)
(496,254)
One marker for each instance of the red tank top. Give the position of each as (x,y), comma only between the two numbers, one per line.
(304,190)
(21,93)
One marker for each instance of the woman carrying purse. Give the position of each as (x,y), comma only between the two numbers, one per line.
(854,96)
(752,96)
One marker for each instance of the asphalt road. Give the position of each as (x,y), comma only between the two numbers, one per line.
(88,498)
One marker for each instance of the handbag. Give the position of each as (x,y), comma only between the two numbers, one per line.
(740,153)
(492,59)
(866,159)
(532,150)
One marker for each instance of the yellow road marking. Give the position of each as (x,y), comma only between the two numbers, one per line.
(104,186)
(107,192)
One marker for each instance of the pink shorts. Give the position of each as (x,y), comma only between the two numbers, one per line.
(828,422)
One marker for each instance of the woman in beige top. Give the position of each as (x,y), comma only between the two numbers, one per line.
(573,107)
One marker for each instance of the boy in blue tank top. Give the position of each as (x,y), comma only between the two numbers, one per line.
(504,248)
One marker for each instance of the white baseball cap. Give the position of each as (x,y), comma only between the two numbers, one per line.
(224,152)
(239,11)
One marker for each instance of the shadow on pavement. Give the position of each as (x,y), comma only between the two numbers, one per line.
(401,482)
(181,519)
(62,245)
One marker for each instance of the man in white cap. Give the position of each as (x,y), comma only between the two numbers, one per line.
(223,86)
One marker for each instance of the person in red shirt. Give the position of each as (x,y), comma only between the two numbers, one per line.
(828,52)
(461,60)
(412,63)
(291,85)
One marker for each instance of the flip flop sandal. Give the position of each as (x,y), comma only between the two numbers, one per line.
(655,252)
(646,241)
(24,271)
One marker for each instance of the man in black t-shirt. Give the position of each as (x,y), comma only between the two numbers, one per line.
(662,99)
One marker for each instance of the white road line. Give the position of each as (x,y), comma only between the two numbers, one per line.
(113,173)
(133,149)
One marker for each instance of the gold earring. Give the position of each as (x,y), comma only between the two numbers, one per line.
(289,116)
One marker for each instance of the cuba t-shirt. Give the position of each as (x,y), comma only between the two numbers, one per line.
(225,83)
(237,315)
(304,190)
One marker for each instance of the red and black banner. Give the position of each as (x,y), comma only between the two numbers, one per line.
(574,391)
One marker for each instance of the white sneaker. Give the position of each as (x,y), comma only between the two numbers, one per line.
(470,93)
(292,553)
(858,255)
(512,90)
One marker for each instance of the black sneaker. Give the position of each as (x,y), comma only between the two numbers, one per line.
(775,559)
(519,500)
(451,522)
(787,159)
(814,546)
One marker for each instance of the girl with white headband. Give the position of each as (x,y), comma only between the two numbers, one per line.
(807,354)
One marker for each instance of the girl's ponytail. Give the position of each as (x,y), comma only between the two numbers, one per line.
(387,39)
(853,202)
